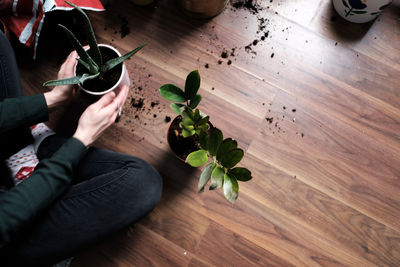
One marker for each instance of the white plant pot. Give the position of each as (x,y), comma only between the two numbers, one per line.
(123,79)
(360,11)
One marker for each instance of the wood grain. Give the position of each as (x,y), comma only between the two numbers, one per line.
(315,105)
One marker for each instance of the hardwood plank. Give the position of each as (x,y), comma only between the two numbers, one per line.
(315,210)
(352,170)
(342,206)
(225,248)
(268,229)
(138,247)
(179,224)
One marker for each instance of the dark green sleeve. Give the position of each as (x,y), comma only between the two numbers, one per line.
(22,111)
(22,203)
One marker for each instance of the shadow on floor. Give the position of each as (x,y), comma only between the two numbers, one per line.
(347,31)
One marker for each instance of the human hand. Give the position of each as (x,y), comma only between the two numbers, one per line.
(99,116)
(63,93)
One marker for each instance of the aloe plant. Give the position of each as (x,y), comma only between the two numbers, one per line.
(92,62)
(224,155)
(185,103)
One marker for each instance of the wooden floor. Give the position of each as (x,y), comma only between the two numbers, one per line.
(326,171)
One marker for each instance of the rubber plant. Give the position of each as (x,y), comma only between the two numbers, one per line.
(185,103)
(92,61)
(224,155)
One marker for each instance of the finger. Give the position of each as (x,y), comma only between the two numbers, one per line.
(105,100)
(122,95)
(69,63)
(71,60)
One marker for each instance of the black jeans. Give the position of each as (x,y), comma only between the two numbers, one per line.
(109,191)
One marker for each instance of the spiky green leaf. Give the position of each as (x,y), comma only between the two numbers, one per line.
(205,176)
(173,93)
(94,49)
(226,145)
(241,174)
(192,85)
(116,61)
(93,67)
(217,178)
(231,188)
(83,63)
(197,158)
(231,158)
(72,80)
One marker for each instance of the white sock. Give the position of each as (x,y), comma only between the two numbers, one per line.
(23,163)
(39,132)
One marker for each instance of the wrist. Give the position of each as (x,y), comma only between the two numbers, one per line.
(86,141)
(52,100)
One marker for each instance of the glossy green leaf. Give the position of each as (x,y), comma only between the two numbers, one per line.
(187,127)
(172,92)
(205,176)
(231,158)
(204,140)
(217,178)
(197,158)
(188,112)
(203,127)
(216,137)
(204,120)
(187,121)
(192,85)
(241,174)
(231,188)
(176,108)
(112,63)
(187,133)
(196,116)
(195,102)
(226,145)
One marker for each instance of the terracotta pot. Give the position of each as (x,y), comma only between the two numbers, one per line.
(360,11)
(202,9)
(123,79)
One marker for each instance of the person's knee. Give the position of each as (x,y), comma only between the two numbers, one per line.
(150,183)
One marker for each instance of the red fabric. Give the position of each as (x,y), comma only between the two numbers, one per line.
(24,173)
(26,20)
